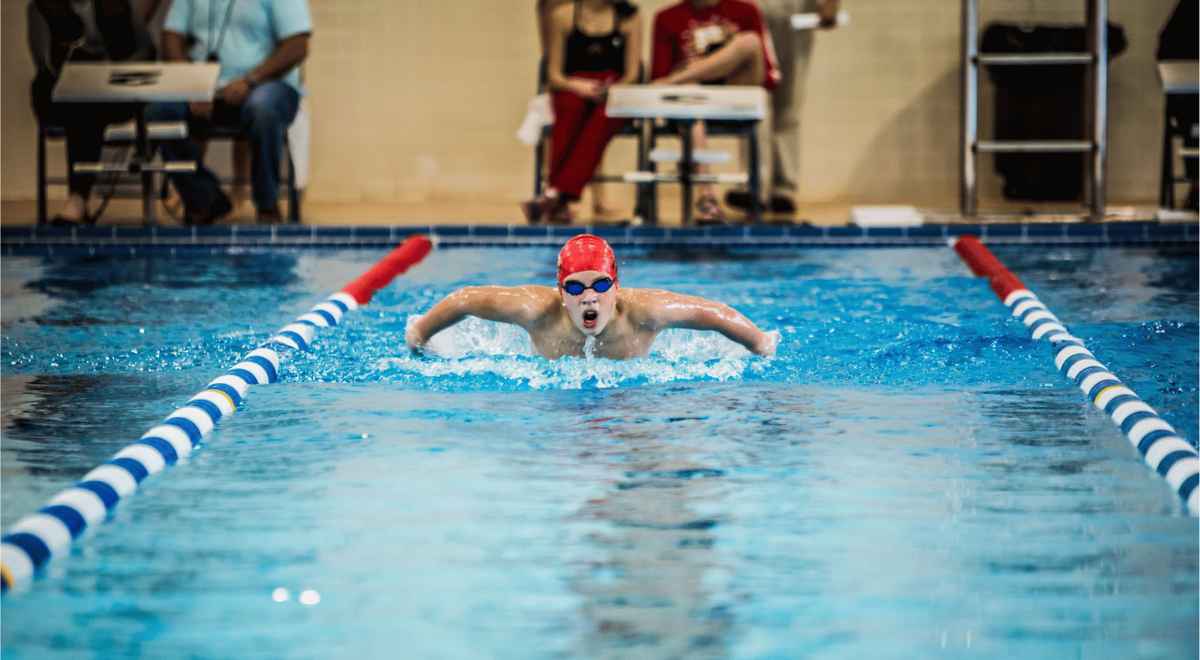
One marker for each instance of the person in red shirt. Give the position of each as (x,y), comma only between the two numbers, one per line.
(712,42)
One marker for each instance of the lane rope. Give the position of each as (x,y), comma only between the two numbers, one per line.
(1168,454)
(49,532)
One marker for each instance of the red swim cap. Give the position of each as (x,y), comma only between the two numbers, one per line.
(586,252)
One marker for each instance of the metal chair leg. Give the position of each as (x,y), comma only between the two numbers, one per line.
(41,175)
(1166,186)
(539,157)
(293,191)
(639,207)
(755,183)
(686,163)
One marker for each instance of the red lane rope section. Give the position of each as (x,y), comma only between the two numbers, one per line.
(405,256)
(985,264)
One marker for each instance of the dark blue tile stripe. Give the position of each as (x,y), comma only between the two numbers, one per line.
(219,238)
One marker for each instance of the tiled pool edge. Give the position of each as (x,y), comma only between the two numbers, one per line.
(134,240)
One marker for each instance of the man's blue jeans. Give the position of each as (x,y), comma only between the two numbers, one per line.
(263,118)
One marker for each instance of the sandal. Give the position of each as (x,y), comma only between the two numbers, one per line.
(560,214)
(708,211)
(535,209)
(547,209)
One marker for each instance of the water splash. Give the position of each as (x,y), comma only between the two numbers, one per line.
(478,353)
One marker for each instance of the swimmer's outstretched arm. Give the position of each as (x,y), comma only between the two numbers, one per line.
(516,304)
(674,310)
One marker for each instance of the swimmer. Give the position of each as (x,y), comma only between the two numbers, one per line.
(589,304)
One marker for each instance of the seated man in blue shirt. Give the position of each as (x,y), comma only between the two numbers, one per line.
(259,45)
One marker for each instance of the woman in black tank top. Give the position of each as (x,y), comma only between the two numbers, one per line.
(593,44)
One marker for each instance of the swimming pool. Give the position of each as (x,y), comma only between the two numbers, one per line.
(909,477)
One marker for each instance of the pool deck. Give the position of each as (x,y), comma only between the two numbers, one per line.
(127,212)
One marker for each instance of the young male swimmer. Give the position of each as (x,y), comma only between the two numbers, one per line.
(589,303)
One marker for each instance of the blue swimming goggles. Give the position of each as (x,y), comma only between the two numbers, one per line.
(576,288)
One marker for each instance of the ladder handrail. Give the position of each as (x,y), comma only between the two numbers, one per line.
(1097,141)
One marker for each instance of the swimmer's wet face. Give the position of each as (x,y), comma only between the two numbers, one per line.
(587,282)
(591,309)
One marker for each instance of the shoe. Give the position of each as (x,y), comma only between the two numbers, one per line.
(560,214)
(708,211)
(532,210)
(172,203)
(782,204)
(220,208)
(269,216)
(60,221)
(738,199)
(546,209)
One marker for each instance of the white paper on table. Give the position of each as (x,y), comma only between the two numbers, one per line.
(812,21)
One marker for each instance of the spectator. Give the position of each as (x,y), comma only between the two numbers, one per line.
(712,42)
(81,30)
(592,44)
(259,46)
(600,207)
(793,48)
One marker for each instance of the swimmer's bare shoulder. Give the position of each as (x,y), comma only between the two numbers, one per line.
(658,309)
(644,307)
(527,306)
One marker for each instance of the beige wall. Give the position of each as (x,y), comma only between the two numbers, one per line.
(419,100)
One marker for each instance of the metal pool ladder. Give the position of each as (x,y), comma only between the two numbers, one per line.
(1097,142)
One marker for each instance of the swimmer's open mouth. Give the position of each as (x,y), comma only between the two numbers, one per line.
(589,318)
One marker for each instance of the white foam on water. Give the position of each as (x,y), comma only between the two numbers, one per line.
(476,348)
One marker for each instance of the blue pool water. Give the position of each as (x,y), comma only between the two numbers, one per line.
(910,477)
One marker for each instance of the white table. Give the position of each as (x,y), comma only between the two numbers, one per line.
(138,83)
(686,104)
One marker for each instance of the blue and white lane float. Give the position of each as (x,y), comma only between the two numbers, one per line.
(1174,458)
(37,538)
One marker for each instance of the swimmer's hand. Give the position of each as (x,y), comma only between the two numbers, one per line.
(414,339)
(766,344)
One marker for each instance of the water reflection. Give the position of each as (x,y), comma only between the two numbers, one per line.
(652,586)
(79,277)
(664,579)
